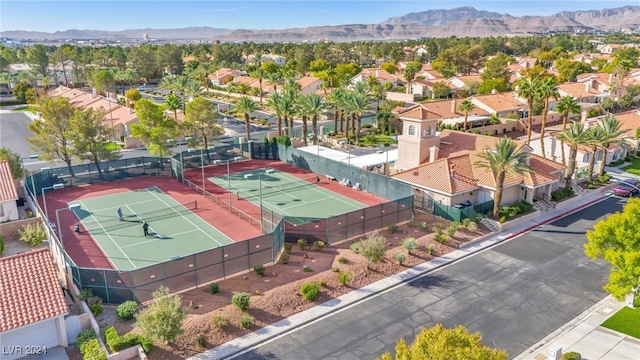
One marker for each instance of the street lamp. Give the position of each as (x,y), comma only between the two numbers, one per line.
(44,198)
(24,169)
(70,207)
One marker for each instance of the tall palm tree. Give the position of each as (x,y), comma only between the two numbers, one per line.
(357,104)
(574,136)
(291,91)
(611,135)
(173,103)
(259,74)
(528,89)
(274,79)
(287,111)
(314,106)
(504,158)
(167,83)
(273,102)
(466,107)
(246,106)
(192,90)
(335,99)
(547,89)
(594,138)
(567,105)
(301,111)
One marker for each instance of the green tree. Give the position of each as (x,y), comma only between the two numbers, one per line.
(15,162)
(466,107)
(441,90)
(314,107)
(273,102)
(616,240)
(37,56)
(612,134)
(496,68)
(20,91)
(547,89)
(593,141)
(173,103)
(356,104)
(410,72)
(259,74)
(569,70)
(246,106)
(201,122)
(52,135)
(391,68)
(162,320)
(488,86)
(154,127)
(90,138)
(567,105)
(574,136)
(104,81)
(372,248)
(504,158)
(439,343)
(528,89)
(133,95)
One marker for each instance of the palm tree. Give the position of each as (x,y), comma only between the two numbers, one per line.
(574,136)
(192,91)
(334,98)
(167,83)
(504,158)
(299,110)
(566,106)
(273,102)
(611,135)
(548,88)
(357,104)
(259,74)
(595,134)
(274,79)
(528,89)
(314,107)
(246,105)
(287,111)
(173,103)
(466,107)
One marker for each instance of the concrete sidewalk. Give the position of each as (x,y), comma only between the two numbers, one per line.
(585,335)
(241,344)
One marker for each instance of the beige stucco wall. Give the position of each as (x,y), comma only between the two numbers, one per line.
(9,211)
(511,194)
(471,196)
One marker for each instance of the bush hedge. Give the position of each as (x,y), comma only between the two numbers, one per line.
(518,208)
(91,350)
(126,310)
(241,300)
(115,342)
(309,291)
(562,194)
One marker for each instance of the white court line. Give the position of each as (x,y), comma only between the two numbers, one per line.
(134,213)
(328,193)
(305,203)
(115,207)
(148,241)
(184,217)
(105,231)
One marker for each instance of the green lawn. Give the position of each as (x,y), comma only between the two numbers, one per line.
(633,168)
(626,321)
(32,109)
(113,146)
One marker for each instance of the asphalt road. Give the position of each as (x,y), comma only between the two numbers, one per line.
(514,294)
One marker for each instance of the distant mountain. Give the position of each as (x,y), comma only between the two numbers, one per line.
(443,17)
(463,21)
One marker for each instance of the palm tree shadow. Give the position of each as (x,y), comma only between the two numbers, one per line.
(434,281)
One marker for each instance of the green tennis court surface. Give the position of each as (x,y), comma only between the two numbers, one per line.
(288,195)
(174,230)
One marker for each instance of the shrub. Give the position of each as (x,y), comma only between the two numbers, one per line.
(309,291)
(335,269)
(563,193)
(288,247)
(431,248)
(477,218)
(441,238)
(322,283)
(111,338)
(451,230)
(355,247)
(259,270)
(91,350)
(515,209)
(409,244)
(219,322)
(162,320)
(32,234)
(572,355)
(96,309)
(373,248)
(257,293)
(343,260)
(400,257)
(116,342)
(201,340)
(423,225)
(318,245)
(472,226)
(127,310)
(466,222)
(241,300)
(302,244)
(1,245)
(85,336)
(306,268)
(214,288)
(284,258)
(246,321)
(344,277)
(392,228)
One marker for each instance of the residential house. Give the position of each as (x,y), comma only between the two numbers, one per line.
(309,84)
(441,166)
(466,82)
(223,76)
(611,48)
(32,305)
(382,76)
(8,194)
(501,104)
(280,60)
(583,92)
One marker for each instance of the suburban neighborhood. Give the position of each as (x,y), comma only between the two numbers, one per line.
(198,197)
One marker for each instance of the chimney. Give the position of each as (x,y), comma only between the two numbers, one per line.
(610,78)
(583,118)
(127,102)
(376,73)
(129,110)
(93,92)
(433,153)
(587,86)
(453,106)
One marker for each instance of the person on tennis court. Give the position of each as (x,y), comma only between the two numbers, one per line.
(317,179)
(120,218)
(145,228)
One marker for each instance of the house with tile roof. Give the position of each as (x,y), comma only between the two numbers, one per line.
(441,165)
(382,76)
(223,76)
(582,92)
(466,82)
(32,304)
(309,84)
(8,194)
(501,104)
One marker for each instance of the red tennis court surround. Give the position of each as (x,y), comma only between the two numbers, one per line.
(86,253)
(195,176)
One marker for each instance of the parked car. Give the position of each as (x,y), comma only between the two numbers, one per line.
(144,88)
(627,188)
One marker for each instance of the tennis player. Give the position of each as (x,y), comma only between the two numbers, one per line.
(120,218)
(145,228)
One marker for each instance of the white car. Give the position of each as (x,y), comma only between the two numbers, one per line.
(144,88)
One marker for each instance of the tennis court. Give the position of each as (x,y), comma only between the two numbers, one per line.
(174,229)
(287,195)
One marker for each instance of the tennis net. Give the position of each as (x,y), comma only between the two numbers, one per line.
(165,212)
(266,189)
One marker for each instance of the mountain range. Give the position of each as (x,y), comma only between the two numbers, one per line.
(462,21)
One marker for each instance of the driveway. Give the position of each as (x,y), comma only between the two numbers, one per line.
(514,294)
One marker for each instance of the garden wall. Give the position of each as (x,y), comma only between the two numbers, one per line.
(9,230)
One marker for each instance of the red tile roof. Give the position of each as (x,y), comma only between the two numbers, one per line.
(7,187)
(29,289)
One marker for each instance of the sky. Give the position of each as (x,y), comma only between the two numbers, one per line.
(114,15)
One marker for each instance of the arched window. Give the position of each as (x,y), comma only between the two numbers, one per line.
(427,131)
(412,130)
